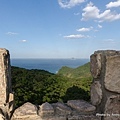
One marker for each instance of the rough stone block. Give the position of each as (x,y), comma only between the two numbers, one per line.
(96,93)
(46,110)
(112,75)
(10,104)
(112,108)
(81,106)
(95,64)
(26,111)
(62,109)
(5,80)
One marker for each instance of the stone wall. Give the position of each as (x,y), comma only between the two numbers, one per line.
(105,89)
(72,110)
(105,94)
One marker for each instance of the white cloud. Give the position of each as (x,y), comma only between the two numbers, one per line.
(69,3)
(92,12)
(99,26)
(84,29)
(107,15)
(77,36)
(113,4)
(23,40)
(11,33)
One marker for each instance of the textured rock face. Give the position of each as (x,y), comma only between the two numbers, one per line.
(95,64)
(6,96)
(81,106)
(4,76)
(113,107)
(96,93)
(62,109)
(46,110)
(112,76)
(105,90)
(26,111)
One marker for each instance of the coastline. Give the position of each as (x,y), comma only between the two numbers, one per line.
(51,64)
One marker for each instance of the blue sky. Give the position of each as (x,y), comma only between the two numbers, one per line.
(59,28)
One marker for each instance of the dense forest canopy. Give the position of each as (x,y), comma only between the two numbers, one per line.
(38,86)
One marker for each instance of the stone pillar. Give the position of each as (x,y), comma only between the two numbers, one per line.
(105,89)
(5,83)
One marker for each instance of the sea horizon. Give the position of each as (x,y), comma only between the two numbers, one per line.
(49,64)
(50,58)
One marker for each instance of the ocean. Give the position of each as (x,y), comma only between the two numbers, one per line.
(51,65)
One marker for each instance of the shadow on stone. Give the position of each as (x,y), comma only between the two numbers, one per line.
(75,93)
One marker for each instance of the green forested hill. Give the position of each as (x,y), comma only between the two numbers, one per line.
(79,72)
(38,86)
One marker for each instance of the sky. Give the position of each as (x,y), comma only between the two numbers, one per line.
(59,28)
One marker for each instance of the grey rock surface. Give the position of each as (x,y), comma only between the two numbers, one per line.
(96,93)
(27,110)
(62,109)
(46,110)
(5,80)
(95,63)
(6,96)
(112,76)
(112,108)
(81,106)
